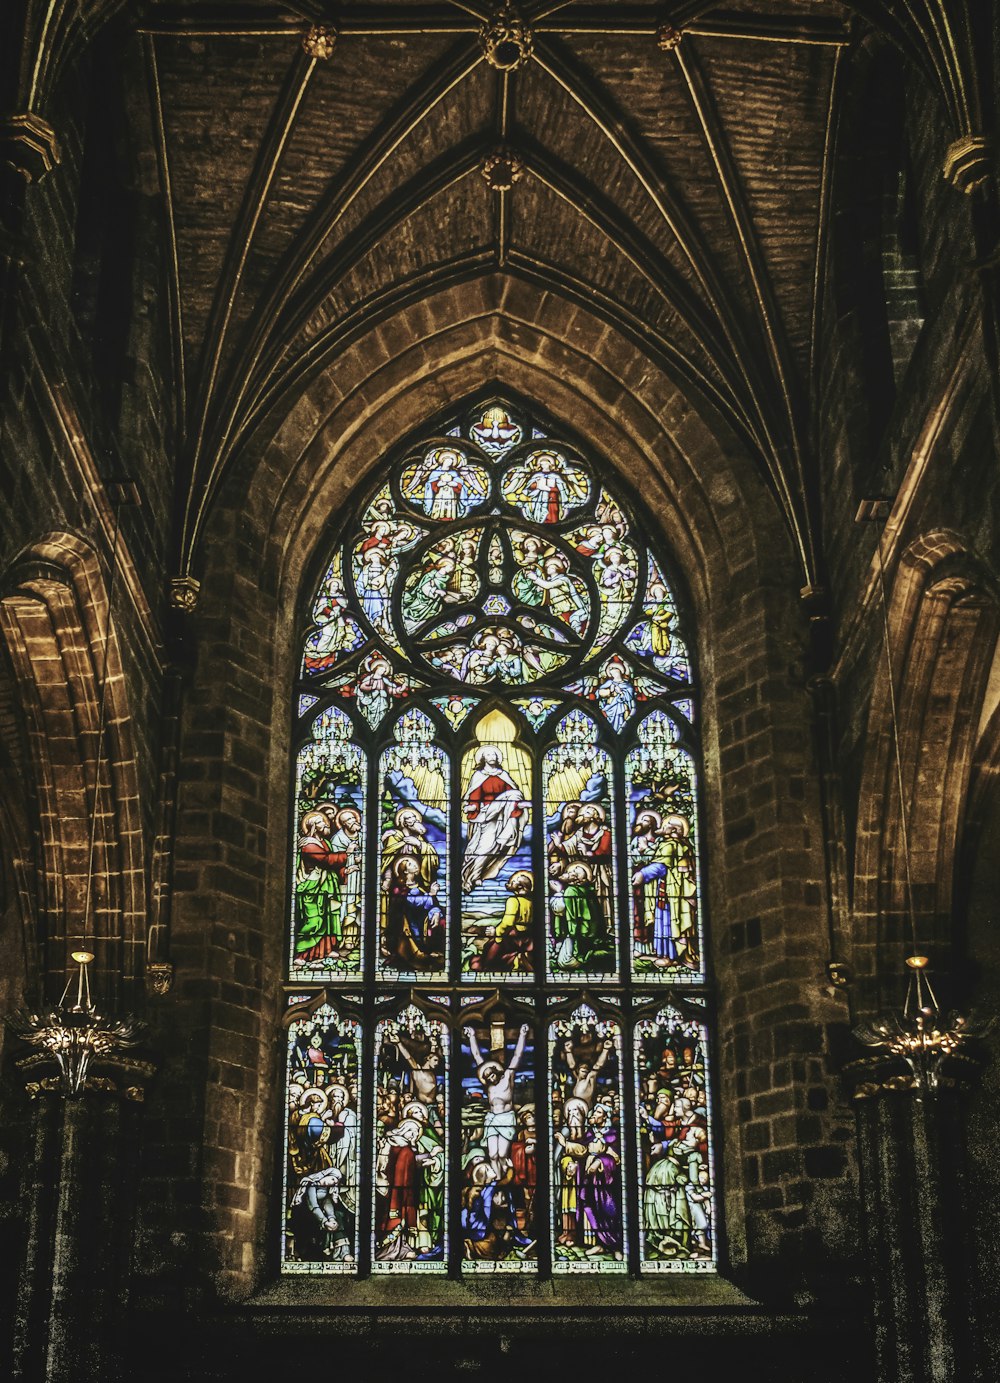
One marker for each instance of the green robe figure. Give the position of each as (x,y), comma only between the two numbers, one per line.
(584,932)
(318,888)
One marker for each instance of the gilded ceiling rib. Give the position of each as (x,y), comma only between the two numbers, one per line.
(770,319)
(726,310)
(824,212)
(174,279)
(600,212)
(258,189)
(286,383)
(422,99)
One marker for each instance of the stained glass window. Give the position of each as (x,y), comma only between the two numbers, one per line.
(499,1023)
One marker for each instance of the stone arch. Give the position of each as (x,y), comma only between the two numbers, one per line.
(943,616)
(54,616)
(735,555)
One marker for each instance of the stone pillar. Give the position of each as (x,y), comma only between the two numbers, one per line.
(78,1199)
(915,1217)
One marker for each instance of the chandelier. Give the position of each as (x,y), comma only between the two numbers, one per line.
(74,1032)
(920,1033)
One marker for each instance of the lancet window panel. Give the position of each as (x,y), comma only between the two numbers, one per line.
(495,868)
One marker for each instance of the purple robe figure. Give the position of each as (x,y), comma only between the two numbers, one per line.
(599,1188)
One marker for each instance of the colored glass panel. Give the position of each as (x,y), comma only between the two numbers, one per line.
(337,634)
(497,880)
(544,580)
(321,1144)
(413,851)
(657,637)
(588,1202)
(536,709)
(327,905)
(445,484)
(374,687)
(375,562)
(410,1231)
(663,855)
(676,1181)
(579,853)
(495,430)
(455,708)
(546,486)
(499,1180)
(445,575)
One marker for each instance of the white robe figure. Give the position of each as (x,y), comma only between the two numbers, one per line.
(495,812)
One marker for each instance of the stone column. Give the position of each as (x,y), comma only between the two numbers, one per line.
(78,1199)
(915,1217)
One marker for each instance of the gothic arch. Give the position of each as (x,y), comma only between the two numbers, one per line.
(943,620)
(54,617)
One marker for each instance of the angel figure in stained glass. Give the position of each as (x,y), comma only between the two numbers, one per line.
(616,693)
(559,593)
(376,687)
(447,485)
(545,486)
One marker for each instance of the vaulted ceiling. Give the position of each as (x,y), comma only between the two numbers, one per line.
(674,177)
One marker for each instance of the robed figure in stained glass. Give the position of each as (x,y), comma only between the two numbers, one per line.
(494,808)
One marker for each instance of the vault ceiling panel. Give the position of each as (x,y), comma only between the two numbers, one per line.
(544,229)
(456,222)
(646,86)
(345,101)
(554,119)
(216,95)
(773,115)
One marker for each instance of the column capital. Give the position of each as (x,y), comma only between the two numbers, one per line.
(968,162)
(28,145)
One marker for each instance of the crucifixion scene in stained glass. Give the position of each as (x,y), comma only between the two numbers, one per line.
(496,798)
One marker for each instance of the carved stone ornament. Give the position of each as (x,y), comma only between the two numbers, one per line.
(184,592)
(968,162)
(319,42)
(668,38)
(159,977)
(501,170)
(507,40)
(28,144)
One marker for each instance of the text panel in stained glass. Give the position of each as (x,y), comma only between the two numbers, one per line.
(496,816)
(323,1091)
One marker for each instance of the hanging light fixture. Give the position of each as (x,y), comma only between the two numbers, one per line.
(920,1033)
(75,1031)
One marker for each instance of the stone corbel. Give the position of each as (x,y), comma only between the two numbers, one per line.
(968,162)
(29,145)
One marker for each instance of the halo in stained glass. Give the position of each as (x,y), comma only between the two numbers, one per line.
(445,484)
(374,687)
(677,1210)
(588,1215)
(327,903)
(323,1088)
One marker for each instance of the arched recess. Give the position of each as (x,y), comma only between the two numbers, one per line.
(54,621)
(943,618)
(716,514)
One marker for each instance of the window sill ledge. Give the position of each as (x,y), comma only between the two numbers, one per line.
(392,1294)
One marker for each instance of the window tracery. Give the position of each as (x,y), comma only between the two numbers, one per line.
(495,927)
